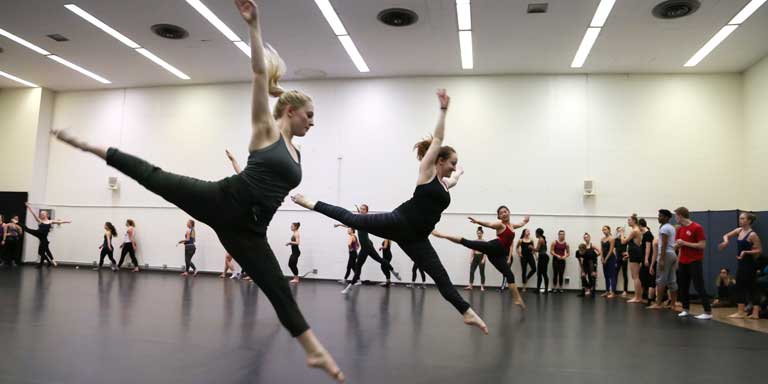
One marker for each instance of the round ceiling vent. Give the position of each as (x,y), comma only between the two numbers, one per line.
(398,17)
(170,31)
(675,9)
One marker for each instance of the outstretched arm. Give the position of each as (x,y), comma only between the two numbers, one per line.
(34,215)
(451,182)
(427,166)
(525,221)
(59,222)
(262,123)
(493,225)
(727,237)
(235,164)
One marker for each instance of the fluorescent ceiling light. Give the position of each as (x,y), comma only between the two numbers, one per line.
(353,53)
(79,69)
(244,47)
(586,45)
(747,11)
(330,15)
(465,46)
(463,15)
(213,19)
(18,80)
(602,12)
(710,45)
(98,23)
(24,42)
(162,63)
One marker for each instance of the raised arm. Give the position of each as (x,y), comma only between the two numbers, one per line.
(727,237)
(34,215)
(235,164)
(451,182)
(427,165)
(262,124)
(497,225)
(59,222)
(525,221)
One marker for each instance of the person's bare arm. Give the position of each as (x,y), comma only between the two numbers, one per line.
(427,164)
(497,225)
(235,164)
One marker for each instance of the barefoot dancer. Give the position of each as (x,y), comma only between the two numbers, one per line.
(410,224)
(43,229)
(245,203)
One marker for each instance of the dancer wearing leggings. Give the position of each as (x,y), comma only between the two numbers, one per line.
(106,247)
(525,252)
(229,263)
(293,261)
(496,249)
(386,252)
(748,250)
(477,260)
(245,203)
(608,259)
(41,233)
(415,269)
(352,246)
(10,242)
(542,266)
(622,260)
(634,241)
(366,249)
(410,224)
(587,255)
(649,263)
(128,247)
(189,248)
(560,251)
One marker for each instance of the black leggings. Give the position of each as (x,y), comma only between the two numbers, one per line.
(496,255)
(693,272)
(386,268)
(414,269)
(477,261)
(589,279)
(525,262)
(10,251)
(558,271)
(622,267)
(226,206)
(293,262)
(105,251)
(128,250)
(541,271)
(43,249)
(394,226)
(746,281)
(365,251)
(189,251)
(350,263)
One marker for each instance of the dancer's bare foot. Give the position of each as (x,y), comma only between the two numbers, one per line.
(654,306)
(754,316)
(516,295)
(471,318)
(468,288)
(323,360)
(482,288)
(135,269)
(295,280)
(610,296)
(222,276)
(303,201)
(185,274)
(634,301)
(738,315)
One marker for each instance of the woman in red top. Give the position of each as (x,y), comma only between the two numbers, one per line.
(497,249)
(560,251)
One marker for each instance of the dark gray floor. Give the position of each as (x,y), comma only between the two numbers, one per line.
(79,326)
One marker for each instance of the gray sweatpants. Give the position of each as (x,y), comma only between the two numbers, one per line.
(667,277)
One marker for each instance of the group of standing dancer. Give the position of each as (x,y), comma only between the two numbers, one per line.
(10,242)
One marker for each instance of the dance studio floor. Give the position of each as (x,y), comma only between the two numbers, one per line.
(78,326)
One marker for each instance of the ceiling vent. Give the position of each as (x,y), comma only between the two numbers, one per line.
(538,7)
(170,31)
(58,37)
(675,9)
(398,17)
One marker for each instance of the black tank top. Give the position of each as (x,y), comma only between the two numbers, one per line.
(606,246)
(270,174)
(590,255)
(647,241)
(423,210)
(106,244)
(526,248)
(542,247)
(743,244)
(44,230)
(619,247)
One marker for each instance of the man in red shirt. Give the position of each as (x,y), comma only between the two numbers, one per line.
(691,241)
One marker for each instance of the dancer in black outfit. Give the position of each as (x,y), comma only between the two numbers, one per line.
(128,247)
(748,250)
(646,277)
(477,261)
(352,246)
(542,266)
(386,254)
(634,242)
(106,247)
(293,261)
(11,242)
(587,256)
(525,249)
(239,208)
(622,260)
(189,248)
(43,228)
(414,270)
(366,249)
(411,223)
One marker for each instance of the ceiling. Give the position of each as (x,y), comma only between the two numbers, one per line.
(506,40)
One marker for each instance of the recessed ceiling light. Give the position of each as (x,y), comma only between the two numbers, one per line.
(341,33)
(593,31)
(18,80)
(218,24)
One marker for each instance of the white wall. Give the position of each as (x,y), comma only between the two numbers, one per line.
(19,111)
(756,135)
(525,141)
